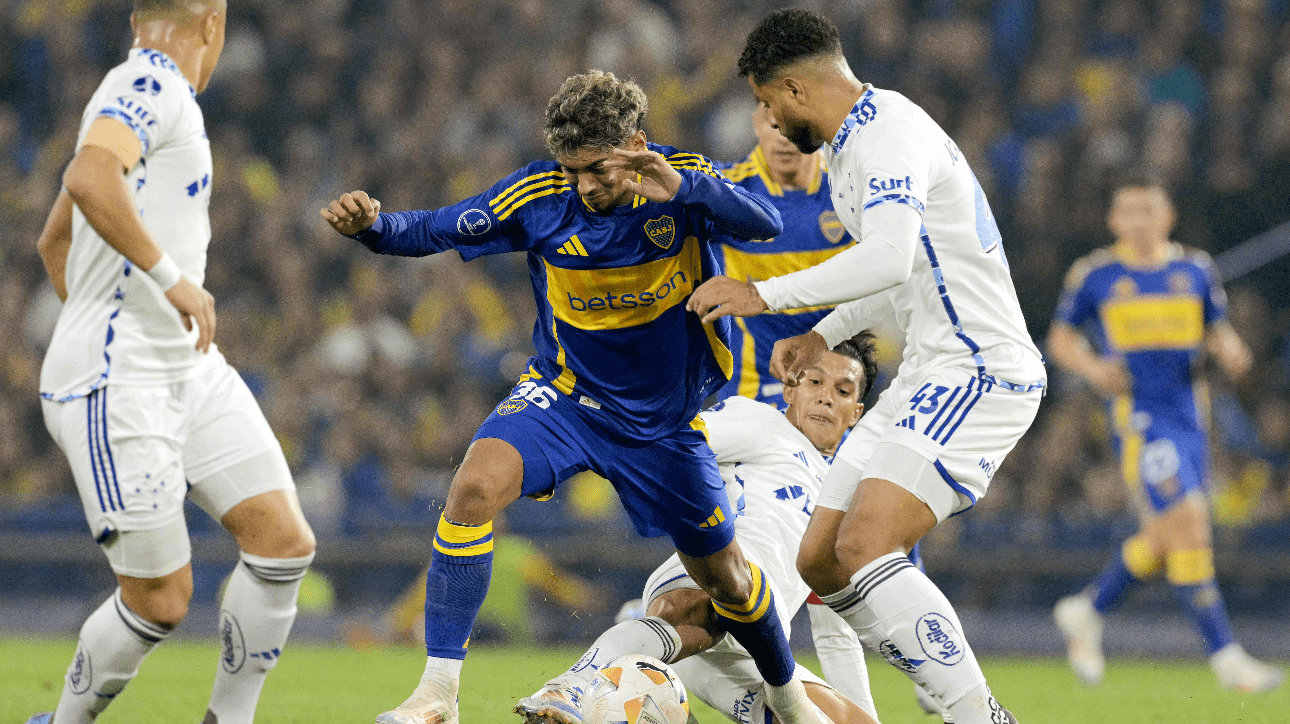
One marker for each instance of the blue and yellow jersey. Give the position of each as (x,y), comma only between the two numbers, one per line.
(612,330)
(812,233)
(1154,320)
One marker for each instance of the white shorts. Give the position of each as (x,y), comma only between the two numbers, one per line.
(777,562)
(726,678)
(941,438)
(137,451)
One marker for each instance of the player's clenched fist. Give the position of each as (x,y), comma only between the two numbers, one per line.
(352,212)
(792,356)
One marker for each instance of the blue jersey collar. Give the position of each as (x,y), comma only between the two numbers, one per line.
(861,113)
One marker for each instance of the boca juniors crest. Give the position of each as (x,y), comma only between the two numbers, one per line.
(831,226)
(661,231)
(510,405)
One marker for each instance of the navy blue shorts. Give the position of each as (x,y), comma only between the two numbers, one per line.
(669,486)
(1165,463)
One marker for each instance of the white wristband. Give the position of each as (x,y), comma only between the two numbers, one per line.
(165,272)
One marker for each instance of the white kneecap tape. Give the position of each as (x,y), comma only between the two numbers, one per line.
(277,570)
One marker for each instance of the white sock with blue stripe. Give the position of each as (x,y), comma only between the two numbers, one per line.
(256,614)
(113,642)
(893,604)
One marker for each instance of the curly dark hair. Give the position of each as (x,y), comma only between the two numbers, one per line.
(593,110)
(785,37)
(862,348)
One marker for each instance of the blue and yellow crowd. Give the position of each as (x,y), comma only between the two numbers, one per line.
(375,372)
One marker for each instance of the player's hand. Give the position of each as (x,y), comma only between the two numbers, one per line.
(722,296)
(649,174)
(196,306)
(1110,377)
(793,356)
(352,212)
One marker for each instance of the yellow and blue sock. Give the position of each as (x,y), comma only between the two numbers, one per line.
(755,625)
(1191,573)
(1135,562)
(460,569)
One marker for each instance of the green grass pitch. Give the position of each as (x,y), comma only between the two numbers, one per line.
(316,683)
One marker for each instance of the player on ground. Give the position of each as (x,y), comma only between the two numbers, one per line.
(901,187)
(138,396)
(773,465)
(1151,309)
(618,233)
(796,184)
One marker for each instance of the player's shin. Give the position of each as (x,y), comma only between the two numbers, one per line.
(256,615)
(113,642)
(755,625)
(892,602)
(1191,573)
(1135,562)
(651,636)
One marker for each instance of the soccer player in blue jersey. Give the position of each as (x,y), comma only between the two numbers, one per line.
(618,232)
(1151,308)
(796,184)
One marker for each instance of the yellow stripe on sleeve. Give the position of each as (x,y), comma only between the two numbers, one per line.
(503,196)
(557,190)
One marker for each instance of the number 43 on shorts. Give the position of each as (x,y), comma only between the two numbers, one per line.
(938,410)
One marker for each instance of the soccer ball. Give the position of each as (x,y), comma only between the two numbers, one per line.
(636,689)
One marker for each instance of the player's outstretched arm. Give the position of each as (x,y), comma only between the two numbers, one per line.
(55,241)
(1069,350)
(474,227)
(95,181)
(1233,355)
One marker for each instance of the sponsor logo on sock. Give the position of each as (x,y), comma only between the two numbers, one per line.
(897,659)
(233,655)
(81,673)
(999,715)
(940,640)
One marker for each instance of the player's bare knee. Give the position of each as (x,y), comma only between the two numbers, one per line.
(685,607)
(160,601)
(476,497)
(821,571)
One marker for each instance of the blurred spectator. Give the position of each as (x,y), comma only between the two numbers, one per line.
(375,372)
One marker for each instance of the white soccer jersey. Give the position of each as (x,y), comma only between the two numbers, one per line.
(959,300)
(117,326)
(773,476)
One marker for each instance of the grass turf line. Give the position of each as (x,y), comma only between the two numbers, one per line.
(316,683)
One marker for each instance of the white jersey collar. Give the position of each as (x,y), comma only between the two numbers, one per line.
(161,60)
(861,113)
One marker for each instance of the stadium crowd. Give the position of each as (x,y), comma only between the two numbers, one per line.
(375,372)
